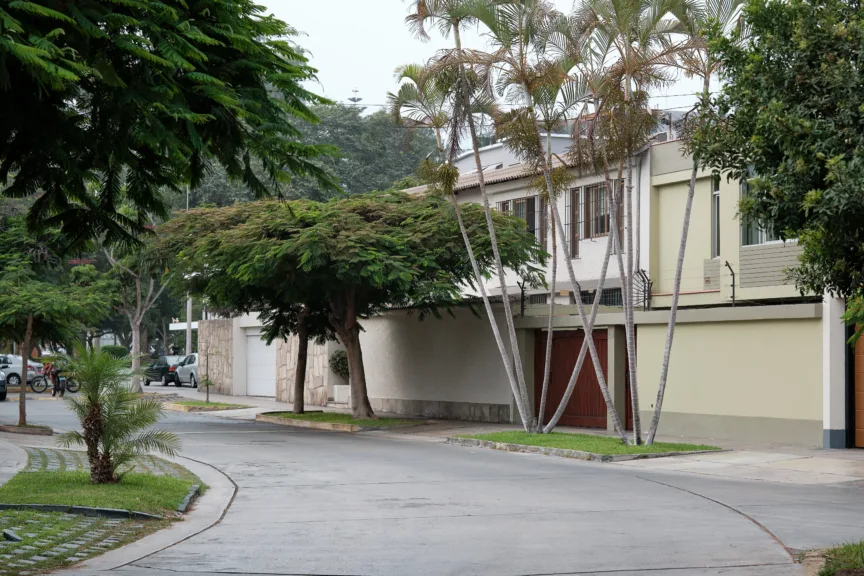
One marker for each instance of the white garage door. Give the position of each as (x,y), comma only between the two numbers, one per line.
(260,366)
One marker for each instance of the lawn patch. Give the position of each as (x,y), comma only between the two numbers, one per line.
(137,492)
(607,445)
(210,405)
(844,560)
(339,418)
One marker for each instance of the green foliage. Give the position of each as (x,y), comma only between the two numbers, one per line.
(338,363)
(116,422)
(389,248)
(374,151)
(61,300)
(116,351)
(788,121)
(840,559)
(145,96)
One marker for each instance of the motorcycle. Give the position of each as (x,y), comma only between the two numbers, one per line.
(40,384)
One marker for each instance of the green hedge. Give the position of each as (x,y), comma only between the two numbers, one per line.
(116,351)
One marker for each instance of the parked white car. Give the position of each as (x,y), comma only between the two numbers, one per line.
(10,365)
(187,371)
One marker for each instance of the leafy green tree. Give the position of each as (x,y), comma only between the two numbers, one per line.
(40,300)
(358,256)
(788,123)
(115,421)
(146,96)
(374,151)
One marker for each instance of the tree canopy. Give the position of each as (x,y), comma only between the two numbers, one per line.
(131,98)
(788,122)
(347,259)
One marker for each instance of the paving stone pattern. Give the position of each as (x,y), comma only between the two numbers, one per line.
(40,459)
(53,539)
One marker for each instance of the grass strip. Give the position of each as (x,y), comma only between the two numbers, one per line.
(203,404)
(138,492)
(844,560)
(584,442)
(339,418)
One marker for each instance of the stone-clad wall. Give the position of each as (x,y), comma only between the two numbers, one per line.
(316,372)
(215,346)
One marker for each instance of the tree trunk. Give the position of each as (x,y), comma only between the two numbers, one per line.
(360,407)
(300,370)
(547,367)
(136,355)
(521,398)
(676,287)
(92,433)
(25,357)
(103,471)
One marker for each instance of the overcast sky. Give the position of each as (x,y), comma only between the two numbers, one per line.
(356,45)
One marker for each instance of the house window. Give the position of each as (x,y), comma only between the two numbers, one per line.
(526,210)
(715,217)
(752,233)
(596,211)
(571,221)
(609,297)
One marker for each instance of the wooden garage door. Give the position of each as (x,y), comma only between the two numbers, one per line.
(586,407)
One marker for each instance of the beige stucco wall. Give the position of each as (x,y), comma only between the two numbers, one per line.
(768,372)
(451,360)
(215,357)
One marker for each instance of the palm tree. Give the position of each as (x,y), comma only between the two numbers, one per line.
(640,35)
(523,74)
(451,16)
(115,420)
(696,61)
(420,103)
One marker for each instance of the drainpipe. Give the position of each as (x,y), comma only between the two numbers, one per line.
(733,281)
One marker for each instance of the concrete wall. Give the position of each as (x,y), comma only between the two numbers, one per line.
(448,368)
(752,380)
(215,353)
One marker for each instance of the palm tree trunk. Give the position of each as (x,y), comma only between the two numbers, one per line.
(627,297)
(588,344)
(92,426)
(25,357)
(499,341)
(547,367)
(300,365)
(676,287)
(520,395)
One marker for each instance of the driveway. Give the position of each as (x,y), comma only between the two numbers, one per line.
(374,504)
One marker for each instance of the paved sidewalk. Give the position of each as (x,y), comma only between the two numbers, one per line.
(12,460)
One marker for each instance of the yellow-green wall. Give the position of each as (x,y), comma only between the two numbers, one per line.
(758,369)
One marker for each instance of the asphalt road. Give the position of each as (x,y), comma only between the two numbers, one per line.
(321,503)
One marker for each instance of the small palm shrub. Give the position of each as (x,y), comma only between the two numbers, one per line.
(116,422)
(339,363)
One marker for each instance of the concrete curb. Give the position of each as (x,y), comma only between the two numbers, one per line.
(84,511)
(27,431)
(564,453)
(184,505)
(182,408)
(329,426)
(209,511)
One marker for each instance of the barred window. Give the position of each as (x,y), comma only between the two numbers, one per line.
(596,210)
(571,221)
(526,210)
(609,297)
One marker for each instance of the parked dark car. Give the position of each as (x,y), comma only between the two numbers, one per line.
(160,370)
(2,387)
